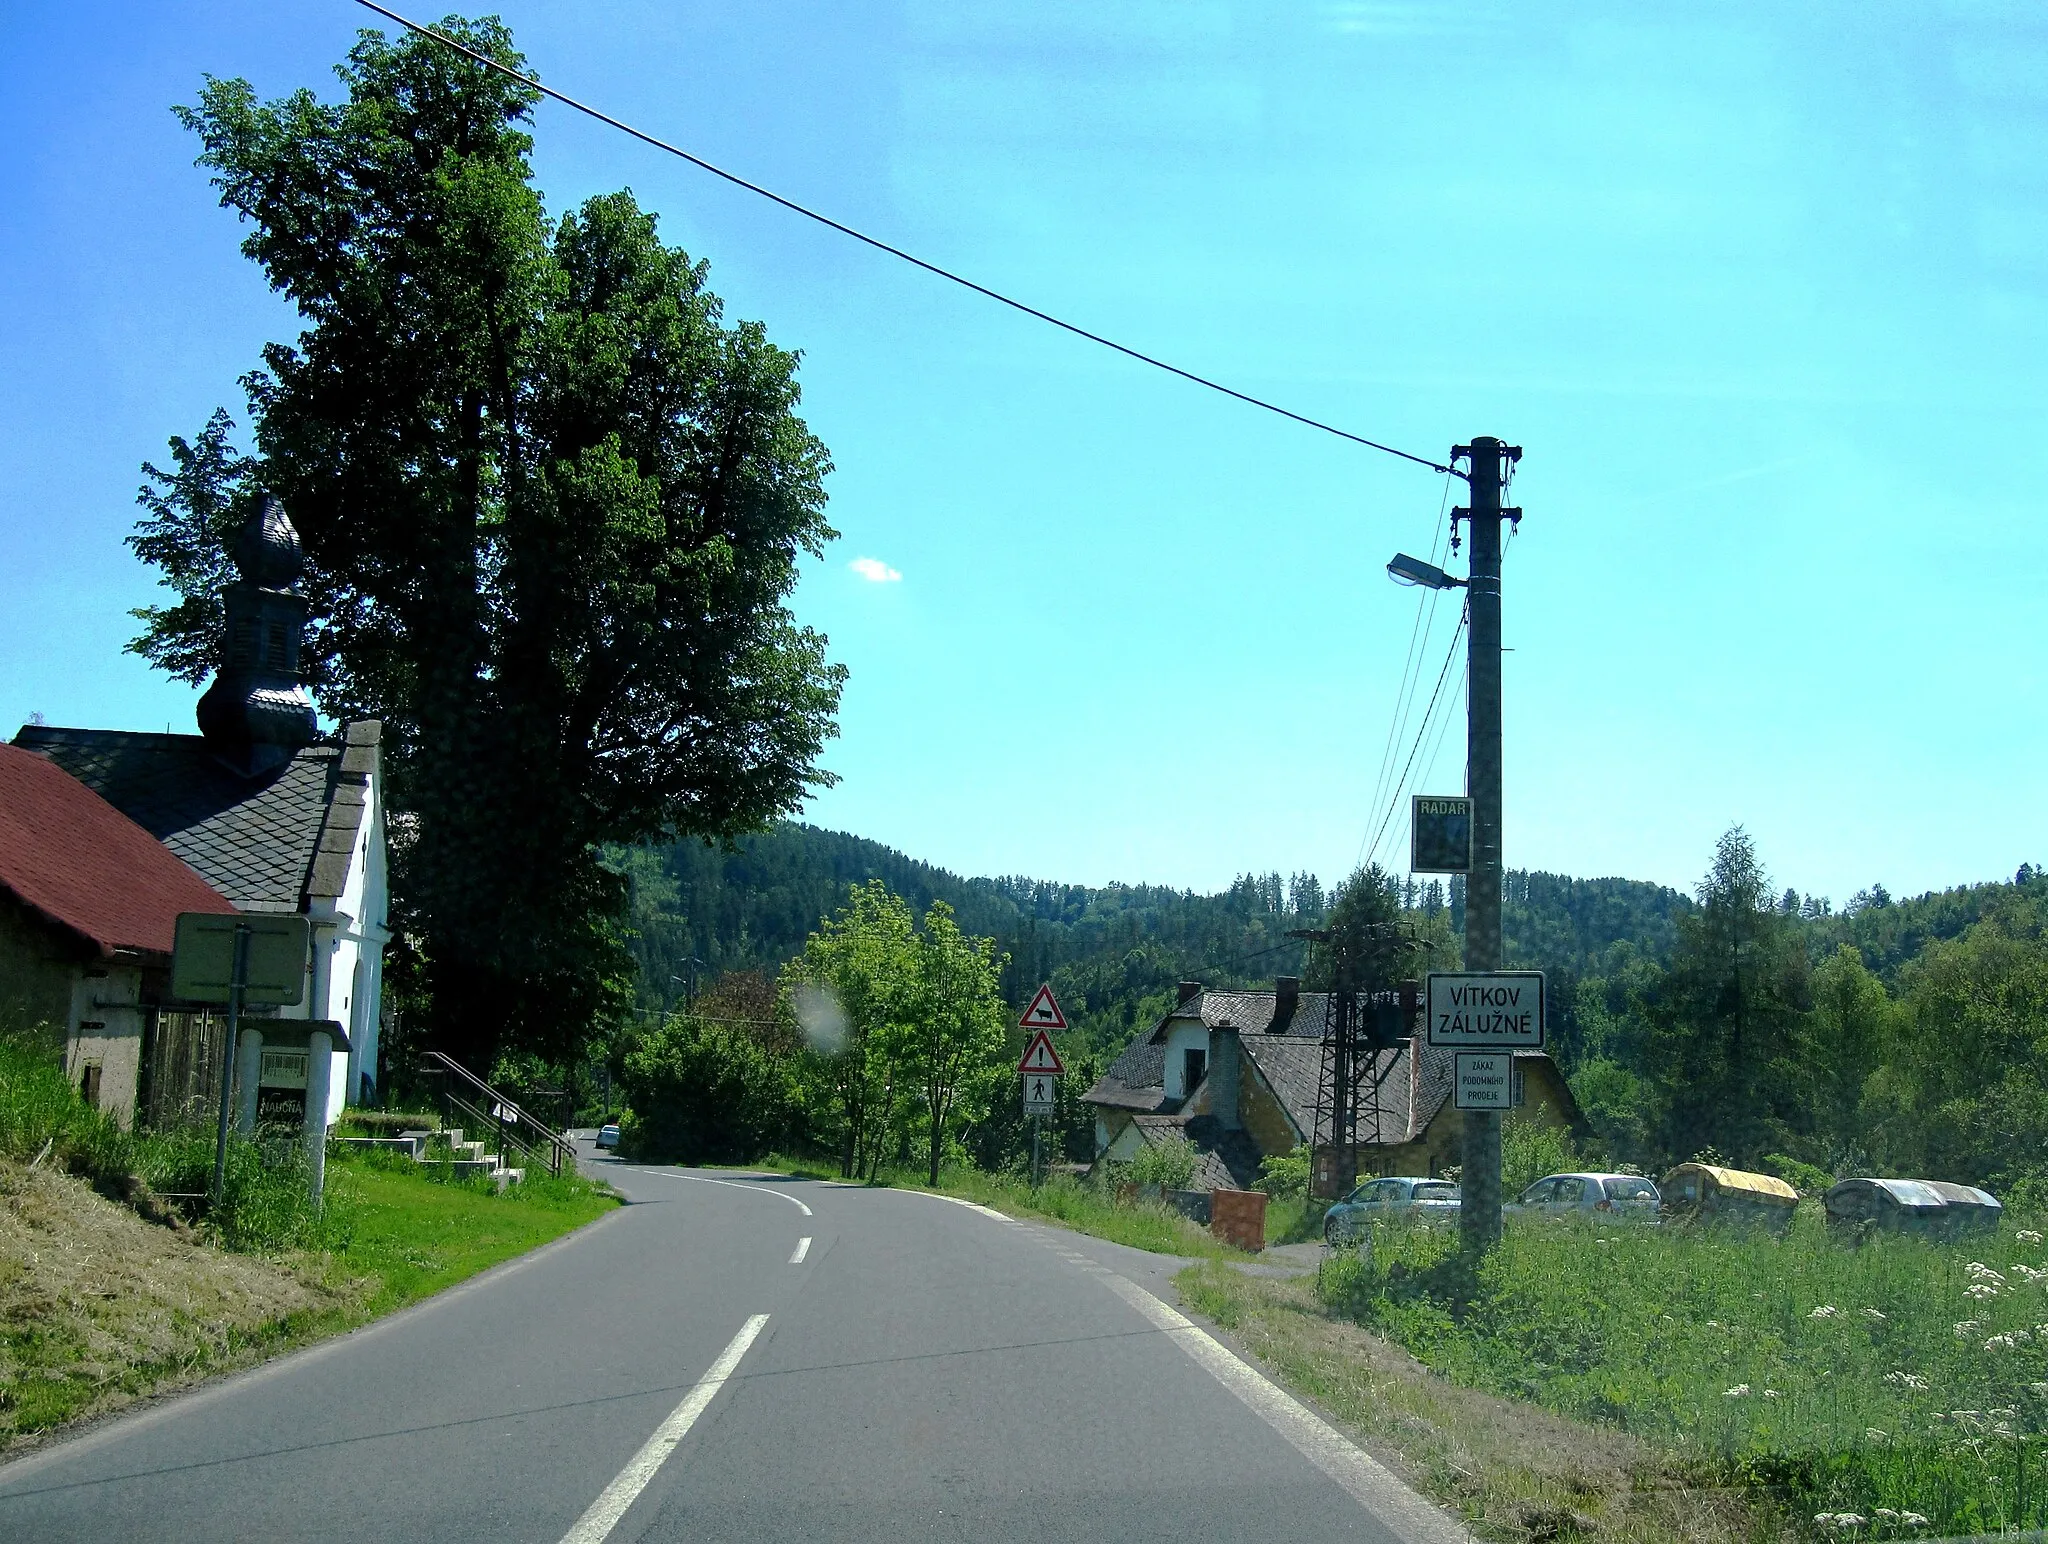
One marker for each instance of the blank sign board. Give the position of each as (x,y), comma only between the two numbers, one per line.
(202,968)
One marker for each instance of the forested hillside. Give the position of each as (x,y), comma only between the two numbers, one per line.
(1113,953)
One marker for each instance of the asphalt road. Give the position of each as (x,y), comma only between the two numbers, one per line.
(926,1370)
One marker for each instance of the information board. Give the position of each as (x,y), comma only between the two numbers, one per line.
(1440,839)
(1483,1080)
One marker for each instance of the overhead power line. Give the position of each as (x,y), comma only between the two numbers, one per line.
(1422,729)
(882,246)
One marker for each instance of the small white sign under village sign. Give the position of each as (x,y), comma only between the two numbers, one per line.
(1483,1080)
(1487,1010)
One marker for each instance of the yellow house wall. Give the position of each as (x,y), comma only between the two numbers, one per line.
(1264,1121)
(1545,1102)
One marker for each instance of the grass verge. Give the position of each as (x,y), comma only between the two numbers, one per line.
(1060,1198)
(1902,1382)
(99,1308)
(1510,1470)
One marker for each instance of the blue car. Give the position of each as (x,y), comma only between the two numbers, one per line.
(1399,1198)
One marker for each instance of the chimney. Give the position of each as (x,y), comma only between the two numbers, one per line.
(1286,999)
(256,713)
(1189,991)
(1224,1069)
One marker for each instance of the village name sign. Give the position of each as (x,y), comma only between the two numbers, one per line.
(1485,1016)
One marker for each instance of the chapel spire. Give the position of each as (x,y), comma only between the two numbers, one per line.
(257,712)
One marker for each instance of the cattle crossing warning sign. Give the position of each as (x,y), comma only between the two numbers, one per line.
(1044,1012)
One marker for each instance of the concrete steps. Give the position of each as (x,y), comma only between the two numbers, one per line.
(465,1159)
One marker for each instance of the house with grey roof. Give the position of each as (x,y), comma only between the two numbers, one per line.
(1237,1074)
(273,815)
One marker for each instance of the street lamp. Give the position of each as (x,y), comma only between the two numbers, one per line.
(1413,571)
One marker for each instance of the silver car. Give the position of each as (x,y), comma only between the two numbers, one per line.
(1593,1197)
(1402,1198)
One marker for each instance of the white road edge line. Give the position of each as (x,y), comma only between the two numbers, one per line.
(731,1183)
(803,1247)
(604,1513)
(1368,1482)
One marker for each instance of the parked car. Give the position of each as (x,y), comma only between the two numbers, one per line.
(608,1136)
(1402,1197)
(1710,1191)
(1934,1208)
(1595,1197)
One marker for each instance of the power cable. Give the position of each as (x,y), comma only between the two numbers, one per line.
(1411,677)
(882,246)
(1428,713)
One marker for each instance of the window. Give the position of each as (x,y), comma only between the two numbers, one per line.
(1571,1190)
(1630,1190)
(89,1084)
(1437,1191)
(1541,1193)
(1193,1065)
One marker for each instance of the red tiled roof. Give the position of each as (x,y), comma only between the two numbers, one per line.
(80,862)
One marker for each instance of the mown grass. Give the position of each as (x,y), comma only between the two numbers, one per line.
(1903,1382)
(402,1234)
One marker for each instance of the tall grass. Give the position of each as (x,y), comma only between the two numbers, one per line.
(266,1203)
(1899,1380)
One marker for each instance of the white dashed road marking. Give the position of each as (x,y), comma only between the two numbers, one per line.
(803,1247)
(604,1513)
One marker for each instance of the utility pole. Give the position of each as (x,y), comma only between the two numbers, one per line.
(1479,1179)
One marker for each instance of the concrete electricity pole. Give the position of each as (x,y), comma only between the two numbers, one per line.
(1479,1180)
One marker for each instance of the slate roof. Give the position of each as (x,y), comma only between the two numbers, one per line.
(268,843)
(81,863)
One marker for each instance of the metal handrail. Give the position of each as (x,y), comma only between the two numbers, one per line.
(512,1121)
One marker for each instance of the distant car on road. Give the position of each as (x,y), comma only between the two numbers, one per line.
(608,1136)
(1400,1198)
(1594,1197)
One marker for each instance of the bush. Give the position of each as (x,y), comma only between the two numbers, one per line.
(1528,1151)
(699,1093)
(1285,1175)
(385,1123)
(1168,1163)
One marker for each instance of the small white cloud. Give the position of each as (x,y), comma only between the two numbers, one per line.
(874,570)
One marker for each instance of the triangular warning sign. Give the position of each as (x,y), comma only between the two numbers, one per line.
(1040,1059)
(1044,1012)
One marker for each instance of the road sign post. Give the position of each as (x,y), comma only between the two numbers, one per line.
(1041,1067)
(237,960)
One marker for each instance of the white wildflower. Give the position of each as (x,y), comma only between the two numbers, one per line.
(1872,1434)
(1873,1315)
(1884,1511)
(1912,1520)
(1910,1380)
(1968,1328)
(1825,1311)
(2006,1414)
(2038,1388)
(2027,1236)
(1770,1393)
(1740,1391)
(2001,1343)
(1977,1270)
(1983,1292)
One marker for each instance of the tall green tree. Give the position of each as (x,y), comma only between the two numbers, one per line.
(1844,1038)
(950,1044)
(1724,1016)
(854,991)
(552,508)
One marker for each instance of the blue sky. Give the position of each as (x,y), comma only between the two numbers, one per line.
(1762,290)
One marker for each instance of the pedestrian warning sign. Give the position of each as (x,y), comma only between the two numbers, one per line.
(1044,1012)
(1040,1059)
